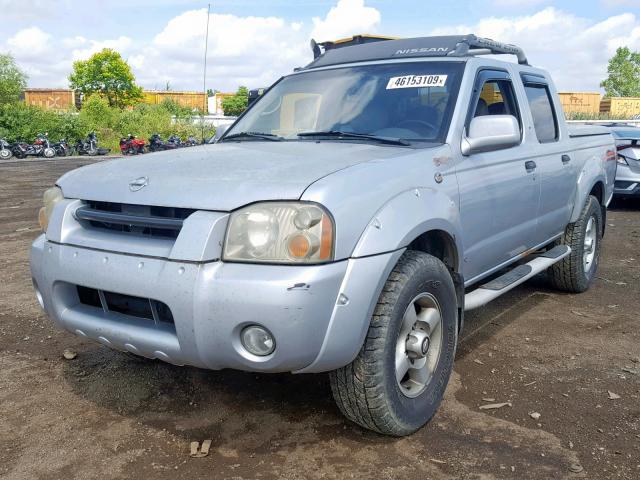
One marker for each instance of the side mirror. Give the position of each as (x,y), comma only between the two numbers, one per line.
(491,132)
(220,130)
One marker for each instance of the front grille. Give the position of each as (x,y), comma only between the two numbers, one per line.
(154,310)
(145,220)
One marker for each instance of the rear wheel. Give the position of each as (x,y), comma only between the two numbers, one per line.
(576,272)
(397,381)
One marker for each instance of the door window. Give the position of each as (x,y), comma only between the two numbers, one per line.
(497,97)
(544,117)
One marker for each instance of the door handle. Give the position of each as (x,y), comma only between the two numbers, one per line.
(566,159)
(530,165)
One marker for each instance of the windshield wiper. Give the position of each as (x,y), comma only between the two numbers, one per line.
(351,135)
(264,136)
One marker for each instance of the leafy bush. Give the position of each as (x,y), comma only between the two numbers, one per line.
(23,122)
(19,122)
(236,104)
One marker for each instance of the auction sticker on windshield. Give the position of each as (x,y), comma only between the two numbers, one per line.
(410,81)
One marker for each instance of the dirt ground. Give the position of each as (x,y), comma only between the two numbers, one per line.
(108,415)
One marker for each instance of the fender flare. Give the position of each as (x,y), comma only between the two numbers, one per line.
(407,216)
(591,174)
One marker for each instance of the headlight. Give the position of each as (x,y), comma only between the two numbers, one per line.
(50,198)
(277,232)
(621,160)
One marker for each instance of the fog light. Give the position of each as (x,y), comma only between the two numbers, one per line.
(258,340)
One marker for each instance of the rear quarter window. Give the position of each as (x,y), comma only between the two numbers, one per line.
(544,116)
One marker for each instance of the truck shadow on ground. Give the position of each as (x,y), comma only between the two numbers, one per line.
(625,204)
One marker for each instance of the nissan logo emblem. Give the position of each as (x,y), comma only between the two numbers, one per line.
(138,184)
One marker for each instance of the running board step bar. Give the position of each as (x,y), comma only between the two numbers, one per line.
(498,286)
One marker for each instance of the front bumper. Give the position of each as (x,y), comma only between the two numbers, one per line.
(211,302)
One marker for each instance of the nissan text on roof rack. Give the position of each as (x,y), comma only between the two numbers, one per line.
(342,224)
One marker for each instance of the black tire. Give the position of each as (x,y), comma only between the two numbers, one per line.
(366,390)
(569,274)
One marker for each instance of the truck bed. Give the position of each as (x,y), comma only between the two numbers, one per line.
(586,130)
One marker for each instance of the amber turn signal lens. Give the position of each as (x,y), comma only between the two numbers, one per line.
(299,246)
(326,240)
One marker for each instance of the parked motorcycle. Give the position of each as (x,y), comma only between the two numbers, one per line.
(62,148)
(191,141)
(156,144)
(131,145)
(5,150)
(176,140)
(89,146)
(41,147)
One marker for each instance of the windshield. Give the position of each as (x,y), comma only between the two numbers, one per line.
(408,101)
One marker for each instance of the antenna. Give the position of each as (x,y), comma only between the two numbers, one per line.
(204,73)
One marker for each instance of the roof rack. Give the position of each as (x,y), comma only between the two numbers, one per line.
(472,45)
(368,47)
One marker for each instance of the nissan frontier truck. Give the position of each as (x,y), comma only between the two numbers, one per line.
(343,224)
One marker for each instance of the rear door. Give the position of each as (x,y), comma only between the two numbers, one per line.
(499,190)
(556,164)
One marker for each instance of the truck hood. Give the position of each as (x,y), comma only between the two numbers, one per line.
(222,176)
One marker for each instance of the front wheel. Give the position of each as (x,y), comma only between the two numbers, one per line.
(49,152)
(6,154)
(396,383)
(576,272)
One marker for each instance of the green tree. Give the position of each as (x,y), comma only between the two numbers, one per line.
(12,80)
(108,75)
(624,74)
(236,104)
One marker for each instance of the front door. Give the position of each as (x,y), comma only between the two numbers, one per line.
(499,190)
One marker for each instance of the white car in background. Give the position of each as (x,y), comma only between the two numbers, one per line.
(628,148)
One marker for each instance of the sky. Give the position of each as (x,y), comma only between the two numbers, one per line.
(254,42)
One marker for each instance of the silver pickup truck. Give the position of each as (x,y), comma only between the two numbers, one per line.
(342,224)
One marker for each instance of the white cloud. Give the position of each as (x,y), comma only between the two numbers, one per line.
(574,49)
(120,44)
(348,17)
(29,42)
(252,51)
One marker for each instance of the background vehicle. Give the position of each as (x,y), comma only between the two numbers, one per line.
(343,224)
(156,144)
(41,147)
(628,147)
(62,148)
(191,141)
(5,150)
(89,146)
(131,145)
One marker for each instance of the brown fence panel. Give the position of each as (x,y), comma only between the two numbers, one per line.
(50,98)
(580,102)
